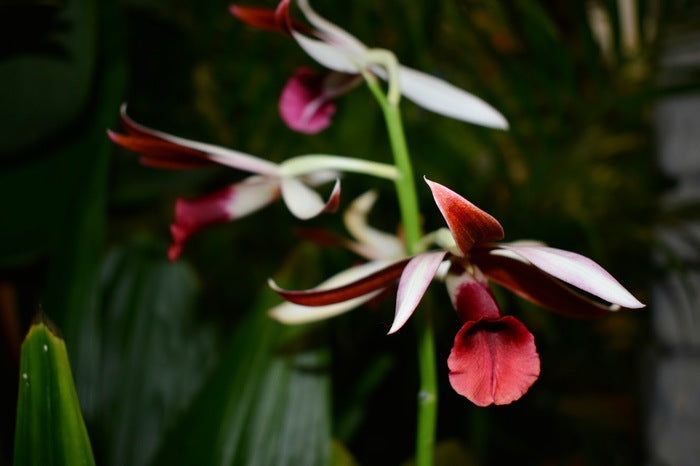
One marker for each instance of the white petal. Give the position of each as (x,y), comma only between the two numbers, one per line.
(290,313)
(252,194)
(331,32)
(415,279)
(228,157)
(302,201)
(576,270)
(381,245)
(331,56)
(441,97)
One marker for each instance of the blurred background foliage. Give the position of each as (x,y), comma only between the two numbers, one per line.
(177,363)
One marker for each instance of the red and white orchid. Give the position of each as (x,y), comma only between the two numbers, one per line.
(493,360)
(306,103)
(291,180)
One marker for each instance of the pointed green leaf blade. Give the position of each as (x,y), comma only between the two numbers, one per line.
(50,428)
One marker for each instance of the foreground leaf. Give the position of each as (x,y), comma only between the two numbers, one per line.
(144,353)
(267,401)
(50,428)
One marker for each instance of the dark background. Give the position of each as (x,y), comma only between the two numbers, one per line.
(176,363)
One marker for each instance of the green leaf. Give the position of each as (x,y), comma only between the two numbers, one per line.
(143,355)
(267,402)
(50,428)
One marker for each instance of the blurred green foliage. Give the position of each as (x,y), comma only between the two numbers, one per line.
(177,363)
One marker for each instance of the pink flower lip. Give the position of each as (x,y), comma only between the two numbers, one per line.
(303,105)
(306,103)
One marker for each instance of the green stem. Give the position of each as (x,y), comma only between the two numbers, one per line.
(405,185)
(427,396)
(410,215)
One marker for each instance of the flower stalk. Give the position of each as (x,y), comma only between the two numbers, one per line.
(408,204)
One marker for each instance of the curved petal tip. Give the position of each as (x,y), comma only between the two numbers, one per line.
(469,224)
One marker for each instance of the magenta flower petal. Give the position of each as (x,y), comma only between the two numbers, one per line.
(306,103)
(303,105)
(375,280)
(576,270)
(471,298)
(493,361)
(469,224)
(531,283)
(232,202)
(415,279)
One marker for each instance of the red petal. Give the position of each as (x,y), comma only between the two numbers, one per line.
(322,238)
(191,215)
(261,18)
(472,298)
(231,202)
(160,153)
(493,361)
(277,20)
(529,282)
(469,224)
(372,282)
(133,128)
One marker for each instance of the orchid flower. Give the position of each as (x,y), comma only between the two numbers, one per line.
(306,102)
(292,179)
(493,360)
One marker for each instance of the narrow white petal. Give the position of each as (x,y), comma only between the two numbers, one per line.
(290,313)
(441,97)
(331,56)
(415,279)
(576,270)
(331,32)
(302,201)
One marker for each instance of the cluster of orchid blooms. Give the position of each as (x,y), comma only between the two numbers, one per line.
(494,359)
